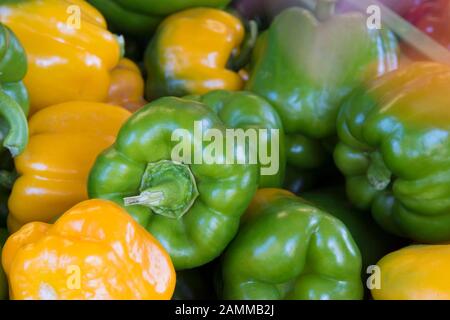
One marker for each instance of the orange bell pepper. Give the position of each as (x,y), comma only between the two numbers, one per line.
(93,251)
(64,142)
(69,49)
(127,86)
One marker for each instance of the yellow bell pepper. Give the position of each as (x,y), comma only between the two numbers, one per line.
(93,251)
(127,86)
(190,52)
(64,142)
(418,272)
(70,51)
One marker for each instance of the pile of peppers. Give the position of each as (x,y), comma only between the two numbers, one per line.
(113,184)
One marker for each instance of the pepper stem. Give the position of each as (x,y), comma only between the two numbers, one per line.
(168,188)
(378,174)
(146,198)
(325,9)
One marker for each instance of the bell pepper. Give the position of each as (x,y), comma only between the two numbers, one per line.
(127,86)
(95,250)
(3,280)
(304,66)
(433,18)
(65,139)
(140,18)
(245,110)
(70,52)
(394,150)
(373,242)
(13,95)
(178,65)
(418,272)
(192,206)
(289,249)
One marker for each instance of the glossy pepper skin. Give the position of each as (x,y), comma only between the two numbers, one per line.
(245,110)
(107,253)
(65,139)
(289,249)
(178,65)
(13,94)
(373,242)
(127,86)
(418,272)
(140,18)
(3,280)
(192,209)
(69,49)
(305,67)
(395,151)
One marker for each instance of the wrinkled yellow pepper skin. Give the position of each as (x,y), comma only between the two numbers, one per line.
(93,251)
(180,64)
(70,56)
(127,86)
(418,272)
(64,142)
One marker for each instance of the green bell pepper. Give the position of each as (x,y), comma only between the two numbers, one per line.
(3,280)
(289,249)
(245,110)
(192,207)
(13,95)
(373,242)
(305,67)
(395,151)
(140,18)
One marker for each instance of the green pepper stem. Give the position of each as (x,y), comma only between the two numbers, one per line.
(168,188)
(16,138)
(162,194)
(378,174)
(145,198)
(325,9)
